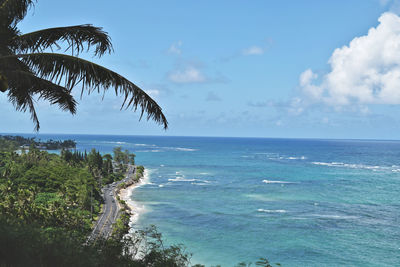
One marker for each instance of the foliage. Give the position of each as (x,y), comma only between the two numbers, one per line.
(12,143)
(30,69)
(122,185)
(46,208)
(30,245)
(123,157)
(43,188)
(140,170)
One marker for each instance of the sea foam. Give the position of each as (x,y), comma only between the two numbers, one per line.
(271,211)
(276,182)
(351,165)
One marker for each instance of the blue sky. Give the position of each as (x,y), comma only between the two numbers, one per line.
(324,69)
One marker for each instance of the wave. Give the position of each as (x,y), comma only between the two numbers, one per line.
(112,142)
(185,149)
(183,179)
(144,145)
(302,158)
(278,157)
(200,183)
(350,165)
(154,148)
(271,211)
(276,182)
(333,216)
(136,207)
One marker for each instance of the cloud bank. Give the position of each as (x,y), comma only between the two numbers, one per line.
(367,71)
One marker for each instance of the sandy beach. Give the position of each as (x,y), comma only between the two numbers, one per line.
(126,195)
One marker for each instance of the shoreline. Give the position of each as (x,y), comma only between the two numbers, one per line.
(134,209)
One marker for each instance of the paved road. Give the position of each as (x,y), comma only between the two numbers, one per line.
(103,226)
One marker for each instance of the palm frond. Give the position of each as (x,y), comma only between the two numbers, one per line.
(46,90)
(24,86)
(75,36)
(13,11)
(72,71)
(22,100)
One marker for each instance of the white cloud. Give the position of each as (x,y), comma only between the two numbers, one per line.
(253,50)
(367,71)
(188,75)
(175,48)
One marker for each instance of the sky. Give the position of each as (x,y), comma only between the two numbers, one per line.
(260,68)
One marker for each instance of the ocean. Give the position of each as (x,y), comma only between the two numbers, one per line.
(298,202)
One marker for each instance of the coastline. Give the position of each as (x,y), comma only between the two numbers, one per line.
(134,209)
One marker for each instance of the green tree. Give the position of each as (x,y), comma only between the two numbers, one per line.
(132,158)
(107,164)
(118,155)
(29,68)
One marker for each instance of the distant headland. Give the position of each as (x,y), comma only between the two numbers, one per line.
(19,142)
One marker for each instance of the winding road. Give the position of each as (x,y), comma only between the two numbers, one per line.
(103,227)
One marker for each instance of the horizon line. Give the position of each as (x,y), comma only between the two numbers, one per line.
(207,136)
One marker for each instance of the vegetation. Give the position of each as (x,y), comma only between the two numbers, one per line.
(43,188)
(46,212)
(139,172)
(29,67)
(9,142)
(123,157)
(47,207)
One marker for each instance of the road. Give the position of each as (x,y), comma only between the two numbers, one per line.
(103,227)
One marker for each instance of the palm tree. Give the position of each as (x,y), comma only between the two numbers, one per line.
(30,69)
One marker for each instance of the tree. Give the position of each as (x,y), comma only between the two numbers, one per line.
(118,154)
(107,164)
(132,158)
(29,68)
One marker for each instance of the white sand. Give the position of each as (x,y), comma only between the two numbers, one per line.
(126,195)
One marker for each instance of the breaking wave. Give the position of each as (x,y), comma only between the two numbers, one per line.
(356,166)
(271,211)
(276,182)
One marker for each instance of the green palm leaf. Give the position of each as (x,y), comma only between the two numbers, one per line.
(23,98)
(45,90)
(13,11)
(71,71)
(74,36)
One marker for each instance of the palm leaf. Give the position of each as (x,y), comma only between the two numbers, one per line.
(13,11)
(23,86)
(44,89)
(75,36)
(22,101)
(72,71)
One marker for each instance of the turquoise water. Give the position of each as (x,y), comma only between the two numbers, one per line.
(297,202)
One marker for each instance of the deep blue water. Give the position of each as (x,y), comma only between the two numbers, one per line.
(298,202)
